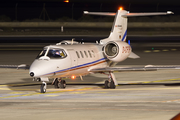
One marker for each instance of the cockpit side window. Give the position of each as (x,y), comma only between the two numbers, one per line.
(56,53)
(42,53)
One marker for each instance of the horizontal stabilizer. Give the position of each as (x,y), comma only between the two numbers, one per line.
(133,56)
(100,13)
(147,14)
(128,14)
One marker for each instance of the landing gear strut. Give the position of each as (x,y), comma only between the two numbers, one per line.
(43,87)
(111,82)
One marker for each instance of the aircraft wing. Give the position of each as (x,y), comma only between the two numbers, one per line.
(121,69)
(22,66)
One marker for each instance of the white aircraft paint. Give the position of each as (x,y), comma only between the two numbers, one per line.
(70,58)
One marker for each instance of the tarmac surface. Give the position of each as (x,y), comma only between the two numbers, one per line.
(148,95)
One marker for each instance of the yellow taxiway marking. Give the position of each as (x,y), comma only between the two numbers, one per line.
(83,89)
(165,50)
(17,93)
(51,95)
(156,50)
(32,94)
(173,49)
(147,51)
(155,81)
(77,92)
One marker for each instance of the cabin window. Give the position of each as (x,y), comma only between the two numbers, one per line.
(85,54)
(77,54)
(93,53)
(81,54)
(89,53)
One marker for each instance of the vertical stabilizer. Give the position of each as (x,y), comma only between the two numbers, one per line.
(119,28)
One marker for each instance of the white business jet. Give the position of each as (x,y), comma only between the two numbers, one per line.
(70,59)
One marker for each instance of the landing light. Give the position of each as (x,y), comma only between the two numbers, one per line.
(66,1)
(120,8)
(73,77)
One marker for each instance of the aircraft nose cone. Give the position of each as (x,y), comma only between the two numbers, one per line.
(32,74)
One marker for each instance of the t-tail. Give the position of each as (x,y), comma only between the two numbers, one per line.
(119,28)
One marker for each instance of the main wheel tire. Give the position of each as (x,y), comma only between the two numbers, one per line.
(56,84)
(106,84)
(112,86)
(62,84)
(43,88)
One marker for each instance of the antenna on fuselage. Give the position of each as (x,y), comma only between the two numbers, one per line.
(72,41)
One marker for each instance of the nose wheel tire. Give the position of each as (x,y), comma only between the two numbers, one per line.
(43,88)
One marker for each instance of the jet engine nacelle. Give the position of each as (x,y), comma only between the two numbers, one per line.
(117,51)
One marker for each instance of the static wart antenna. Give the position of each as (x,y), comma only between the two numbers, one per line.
(72,41)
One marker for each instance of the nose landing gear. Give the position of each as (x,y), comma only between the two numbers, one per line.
(43,87)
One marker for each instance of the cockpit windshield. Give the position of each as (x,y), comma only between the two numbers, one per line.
(56,53)
(53,53)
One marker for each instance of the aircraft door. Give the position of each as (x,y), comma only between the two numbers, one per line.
(73,57)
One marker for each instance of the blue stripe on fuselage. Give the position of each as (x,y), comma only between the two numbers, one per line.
(76,66)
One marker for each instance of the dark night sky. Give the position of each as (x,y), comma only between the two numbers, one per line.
(29,9)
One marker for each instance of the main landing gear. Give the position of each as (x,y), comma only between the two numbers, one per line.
(111,82)
(59,83)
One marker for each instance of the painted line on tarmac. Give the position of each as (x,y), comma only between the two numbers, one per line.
(156,81)
(33,94)
(82,89)
(169,101)
(85,108)
(71,90)
(28,84)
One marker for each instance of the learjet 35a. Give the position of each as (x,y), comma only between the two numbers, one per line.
(69,59)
